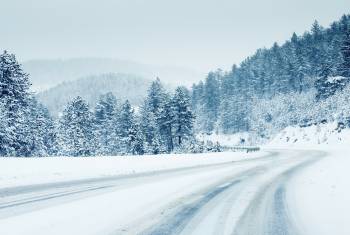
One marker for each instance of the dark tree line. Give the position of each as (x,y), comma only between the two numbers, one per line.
(164,123)
(319,59)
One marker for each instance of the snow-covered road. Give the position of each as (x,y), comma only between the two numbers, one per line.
(248,196)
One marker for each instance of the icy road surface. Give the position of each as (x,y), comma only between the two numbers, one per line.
(248,196)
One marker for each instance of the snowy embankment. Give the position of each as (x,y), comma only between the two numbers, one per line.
(24,171)
(319,195)
(314,136)
(227,139)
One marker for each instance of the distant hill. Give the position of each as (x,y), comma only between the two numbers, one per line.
(45,74)
(123,86)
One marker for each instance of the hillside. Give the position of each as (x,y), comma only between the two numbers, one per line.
(123,86)
(45,74)
(301,82)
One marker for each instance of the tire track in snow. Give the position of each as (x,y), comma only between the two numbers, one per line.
(23,199)
(49,196)
(268,213)
(25,189)
(176,221)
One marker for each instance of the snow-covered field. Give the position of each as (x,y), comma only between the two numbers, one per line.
(23,171)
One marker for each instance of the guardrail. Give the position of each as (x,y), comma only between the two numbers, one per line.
(247,149)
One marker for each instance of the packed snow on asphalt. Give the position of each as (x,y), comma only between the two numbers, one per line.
(273,191)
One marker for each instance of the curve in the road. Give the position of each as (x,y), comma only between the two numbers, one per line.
(22,199)
(176,223)
(178,218)
(267,213)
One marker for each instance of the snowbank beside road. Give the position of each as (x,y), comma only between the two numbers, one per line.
(23,171)
(230,140)
(320,195)
(313,136)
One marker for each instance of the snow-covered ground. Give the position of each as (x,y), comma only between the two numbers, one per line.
(23,171)
(112,206)
(316,136)
(320,195)
(297,183)
(227,139)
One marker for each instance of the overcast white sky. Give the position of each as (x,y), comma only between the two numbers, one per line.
(199,34)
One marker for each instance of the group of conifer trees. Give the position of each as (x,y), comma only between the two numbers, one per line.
(164,123)
(317,60)
(297,83)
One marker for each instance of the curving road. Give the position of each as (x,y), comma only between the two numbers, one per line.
(245,197)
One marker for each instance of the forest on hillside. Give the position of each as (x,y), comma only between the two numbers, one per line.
(301,82)
(123,86)
(163,123)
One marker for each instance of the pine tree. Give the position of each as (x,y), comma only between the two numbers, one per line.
(212,100)
(125,131)
(298,66)
(104,116)
(51,138)
(197,95)
(183,116)
(7,136)
(345,51)
(14,97)
(76,129)
(156,96)
(149,130)
(316,52)
(40,130)
(155,125)
(165,120)
(198,108)
(136,140)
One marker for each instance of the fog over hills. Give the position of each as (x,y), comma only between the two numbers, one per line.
(45,74)
(123,86)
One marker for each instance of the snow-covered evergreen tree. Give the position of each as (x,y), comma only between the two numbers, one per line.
(76,129)
(156,96)
(149,129)
(125,128)
(7,136)
(165,120)
(105,132)
(14,98)
(182,116)
(212,100)
(154,125)
(136,139)
(345,51)
(41,131)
